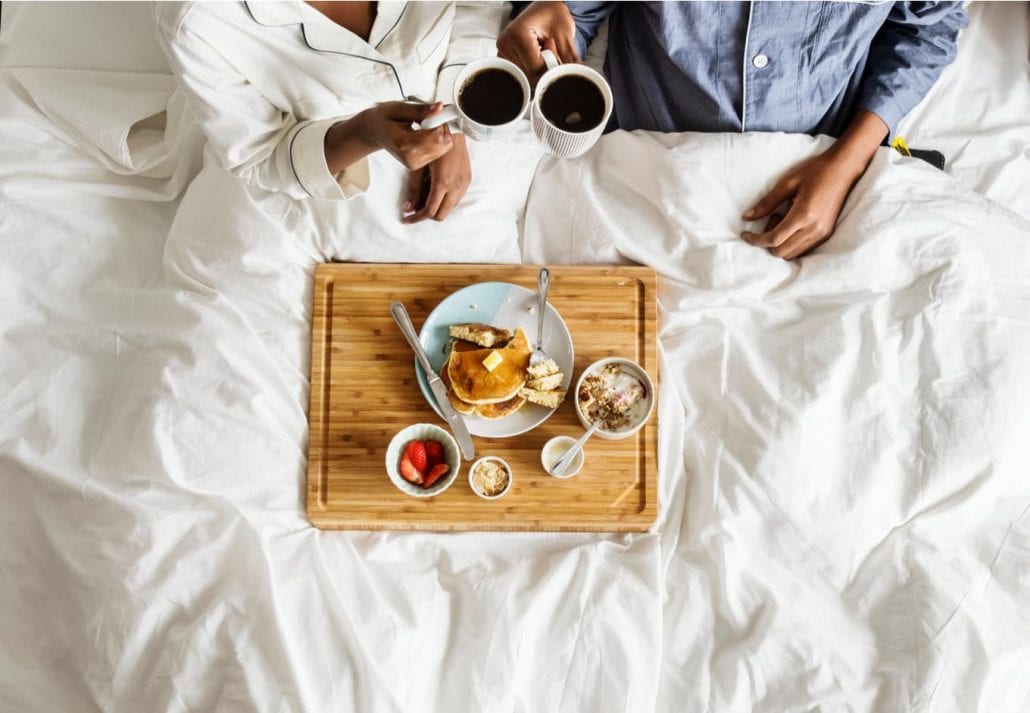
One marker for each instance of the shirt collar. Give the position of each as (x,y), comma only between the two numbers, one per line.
(322,34)
(273,13)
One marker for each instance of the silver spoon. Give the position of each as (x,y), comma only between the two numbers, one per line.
(561,465)
(543,284)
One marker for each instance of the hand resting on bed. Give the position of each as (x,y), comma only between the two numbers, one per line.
(720,67)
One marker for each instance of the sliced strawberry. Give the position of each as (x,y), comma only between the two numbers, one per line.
(437,472)
(409,472)
(434,453)
(416,453)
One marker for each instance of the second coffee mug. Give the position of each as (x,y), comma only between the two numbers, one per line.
(490,96)
(571,108)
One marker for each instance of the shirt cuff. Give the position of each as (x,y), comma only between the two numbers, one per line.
(307,156)
(885,107)
(445,82)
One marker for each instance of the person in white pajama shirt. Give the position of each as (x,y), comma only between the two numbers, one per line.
(294,96)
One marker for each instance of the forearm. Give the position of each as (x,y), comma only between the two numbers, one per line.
(856,147)
(347,142)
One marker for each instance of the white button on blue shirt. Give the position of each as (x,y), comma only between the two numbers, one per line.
(760,61)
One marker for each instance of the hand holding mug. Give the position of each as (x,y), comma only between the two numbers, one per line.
(542,25)
(389,126)
(490,97)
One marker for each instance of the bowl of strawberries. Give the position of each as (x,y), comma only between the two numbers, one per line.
(423,460)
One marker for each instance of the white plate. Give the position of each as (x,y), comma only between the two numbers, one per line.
(506,306)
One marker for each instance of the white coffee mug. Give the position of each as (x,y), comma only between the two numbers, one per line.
(460,121)
(561,143)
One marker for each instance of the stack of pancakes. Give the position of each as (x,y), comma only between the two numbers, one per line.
(474,388)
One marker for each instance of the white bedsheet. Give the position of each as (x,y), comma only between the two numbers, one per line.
(846,509)
(843,446)
(978,112)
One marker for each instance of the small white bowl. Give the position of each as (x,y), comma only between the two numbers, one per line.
(637,371)
(555,449)
(504,464)
(422,432)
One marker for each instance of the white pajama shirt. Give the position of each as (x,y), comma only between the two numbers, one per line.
(266,80)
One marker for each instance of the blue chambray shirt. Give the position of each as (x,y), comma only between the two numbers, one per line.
(799,67)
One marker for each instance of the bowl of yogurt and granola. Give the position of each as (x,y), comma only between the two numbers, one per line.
(618,393)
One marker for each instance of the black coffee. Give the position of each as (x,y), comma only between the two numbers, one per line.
(573,103)
(492,97)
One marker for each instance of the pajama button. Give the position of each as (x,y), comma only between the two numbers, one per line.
(760,61)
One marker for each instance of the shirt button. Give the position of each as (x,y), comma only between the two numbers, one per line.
(760,61)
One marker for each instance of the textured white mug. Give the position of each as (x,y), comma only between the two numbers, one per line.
(561,143)
(460,121)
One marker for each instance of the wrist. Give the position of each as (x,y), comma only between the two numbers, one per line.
(360,129)
(347,142)
(852,159)
(857,146)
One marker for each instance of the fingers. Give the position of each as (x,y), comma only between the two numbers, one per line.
(508,48)
(416,148)
(520,44)
(775,236)
(433,202)
(447,205)
(448,179)
(793,235)
(564,45)
(564,49)
(413,193)
(418,216)
(774,220)
(436,193)
(443,196)
(549,44)
(784,189)
(409,113)
(799,244)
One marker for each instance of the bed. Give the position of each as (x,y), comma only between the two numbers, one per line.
(845,508)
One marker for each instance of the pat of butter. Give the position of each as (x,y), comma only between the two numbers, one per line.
(493,360)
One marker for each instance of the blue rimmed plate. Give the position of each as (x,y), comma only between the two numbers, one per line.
(506,306)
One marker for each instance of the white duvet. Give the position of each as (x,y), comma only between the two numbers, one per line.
(844,441)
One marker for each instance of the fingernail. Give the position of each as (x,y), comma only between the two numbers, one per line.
(406,207)
(749,214)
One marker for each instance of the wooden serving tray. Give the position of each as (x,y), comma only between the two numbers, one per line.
(364,390)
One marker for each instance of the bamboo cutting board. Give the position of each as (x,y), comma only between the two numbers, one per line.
(364,390)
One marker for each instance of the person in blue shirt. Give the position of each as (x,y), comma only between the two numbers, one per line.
(850,70)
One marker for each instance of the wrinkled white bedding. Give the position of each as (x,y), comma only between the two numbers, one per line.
(845,509)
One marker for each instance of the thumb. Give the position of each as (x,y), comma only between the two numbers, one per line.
(408,112)
(785,188)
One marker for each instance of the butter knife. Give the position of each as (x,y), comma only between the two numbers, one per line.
(436,385)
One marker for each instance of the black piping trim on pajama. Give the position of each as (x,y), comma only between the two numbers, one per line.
(303,33)
(396,76)
(289,152)
(395,23)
